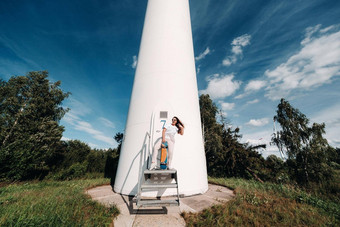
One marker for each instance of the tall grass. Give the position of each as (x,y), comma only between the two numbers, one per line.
(266,204)
(53,203)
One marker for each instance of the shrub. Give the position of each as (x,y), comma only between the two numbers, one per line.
(76,170)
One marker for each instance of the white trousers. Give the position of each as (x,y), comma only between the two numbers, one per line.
(170,150)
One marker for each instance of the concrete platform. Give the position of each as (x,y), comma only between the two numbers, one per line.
(130,215)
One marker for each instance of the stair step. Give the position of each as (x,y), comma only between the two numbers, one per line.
(156,186)
(156,203)
(159,171)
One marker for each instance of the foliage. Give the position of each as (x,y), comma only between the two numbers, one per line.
(96,160)
(111,164)
(276,170)
(225,155)
(30,111)
(307,150)
(76,152)
(53,203)
(30,136)
(212,132)
(119,139)
(76,159)
(75,171)
(266,204)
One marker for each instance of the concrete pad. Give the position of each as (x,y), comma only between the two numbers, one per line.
(130,215)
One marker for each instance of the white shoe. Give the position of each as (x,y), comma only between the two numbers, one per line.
(153,166)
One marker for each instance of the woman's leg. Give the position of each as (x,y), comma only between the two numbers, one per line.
(155,153)
(170,152)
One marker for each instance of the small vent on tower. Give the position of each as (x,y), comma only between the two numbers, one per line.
(163,114)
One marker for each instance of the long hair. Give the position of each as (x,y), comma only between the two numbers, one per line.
(178,123)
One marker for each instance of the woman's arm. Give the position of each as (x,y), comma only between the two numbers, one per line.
(182,130)
(163,135)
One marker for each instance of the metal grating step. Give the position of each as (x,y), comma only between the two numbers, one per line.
(155,180)
(159,171)
(156,203)
(156,186)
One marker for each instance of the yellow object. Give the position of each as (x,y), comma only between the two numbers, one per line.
(163,154)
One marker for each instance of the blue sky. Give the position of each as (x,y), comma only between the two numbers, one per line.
(249,54)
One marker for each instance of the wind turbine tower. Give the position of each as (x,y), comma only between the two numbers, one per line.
(164,86)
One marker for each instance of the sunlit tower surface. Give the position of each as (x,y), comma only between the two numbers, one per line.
(164,86)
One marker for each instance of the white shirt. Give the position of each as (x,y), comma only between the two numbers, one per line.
(170,132)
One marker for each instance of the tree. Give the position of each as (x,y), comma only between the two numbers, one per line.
(76,152)
(303,144)
(239,159)
(212,133)
(112,158)
(30,111)
(226,156)
(119,139)
(276,169)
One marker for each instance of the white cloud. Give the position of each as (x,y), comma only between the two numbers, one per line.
(252,86)
(317,62)
(92,145)
(107,122)
(272,150)
(255,85)
(198,69)
(253,101)
(77,108)
(261,137)
(243,40)
(228,61)
(65,138)
(87,127)
(226,106)
(203,54)
(309,32)
(221,86)
(70,117)
(258,122)
(331,117)
(134,63)
(332,27)
(240,96)
(74,118)
(237,49)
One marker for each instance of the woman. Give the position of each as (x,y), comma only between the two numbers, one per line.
(168,135)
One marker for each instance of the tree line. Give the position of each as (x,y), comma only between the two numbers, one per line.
(31,145)
(310,160)
(30,134)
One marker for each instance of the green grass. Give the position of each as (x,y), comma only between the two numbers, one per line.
(267,204)
(53,203)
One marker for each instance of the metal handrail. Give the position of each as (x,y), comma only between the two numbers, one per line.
(144,155)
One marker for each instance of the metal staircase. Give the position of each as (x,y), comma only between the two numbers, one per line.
(157,180)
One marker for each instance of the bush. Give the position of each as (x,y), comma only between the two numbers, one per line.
(96,160)
(76,152)
(76,170)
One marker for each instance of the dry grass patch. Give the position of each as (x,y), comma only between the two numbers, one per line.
(256,206)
